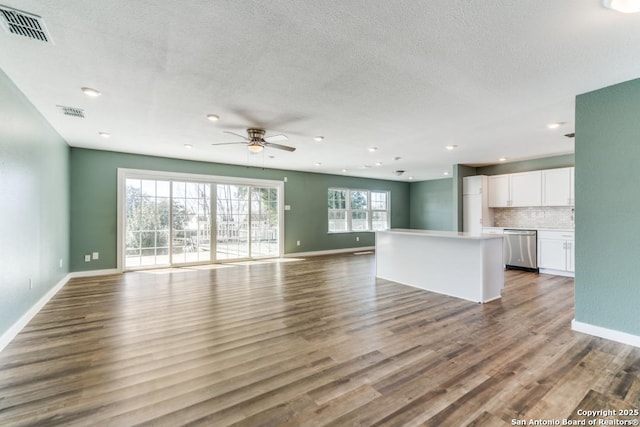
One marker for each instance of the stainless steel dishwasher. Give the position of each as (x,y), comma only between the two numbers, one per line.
(521,249)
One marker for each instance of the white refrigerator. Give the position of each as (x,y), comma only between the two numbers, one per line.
(475,211)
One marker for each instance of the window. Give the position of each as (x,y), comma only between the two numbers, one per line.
(357,210)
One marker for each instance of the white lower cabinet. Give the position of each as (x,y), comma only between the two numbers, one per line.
(556,252)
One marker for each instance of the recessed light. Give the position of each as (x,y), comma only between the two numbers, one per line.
(378,163)
(188,146)
(624,6)
(397,158)
(451,147)
(213,117)
(367,166)
(446,173)
(410,178)
(372,149)
(319,138)
(555,125)
(502,159)
(345,170)
(90,91)
(318,164)
(105,135)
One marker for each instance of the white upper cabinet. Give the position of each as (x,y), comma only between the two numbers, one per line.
(526,189)
(499,191)
(558,187)
(515,190)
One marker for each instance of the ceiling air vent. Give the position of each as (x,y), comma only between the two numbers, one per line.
(72,111)
(570,135)
(25,24)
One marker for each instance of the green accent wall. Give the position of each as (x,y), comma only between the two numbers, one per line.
(554,162)
(94,210)
(34,219)
(607,284)
(432,204)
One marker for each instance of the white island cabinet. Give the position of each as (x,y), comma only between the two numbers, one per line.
(462,265)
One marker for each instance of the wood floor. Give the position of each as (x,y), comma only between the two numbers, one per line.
(307,343)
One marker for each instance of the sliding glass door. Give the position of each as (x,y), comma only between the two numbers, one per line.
(191,222)
(147,216)
(169,222)
(264,222)
(247,221)
(232,222)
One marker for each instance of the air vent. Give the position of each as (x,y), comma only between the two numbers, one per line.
(72,111)
(570,135)
(24,24)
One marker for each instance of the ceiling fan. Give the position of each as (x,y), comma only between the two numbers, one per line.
(256,141)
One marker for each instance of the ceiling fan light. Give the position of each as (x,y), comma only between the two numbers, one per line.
(624,6)
(255,148)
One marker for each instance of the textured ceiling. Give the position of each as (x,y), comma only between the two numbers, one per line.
(407,77)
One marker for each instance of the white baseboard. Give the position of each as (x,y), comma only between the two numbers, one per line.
(610,334)
(90,273)
(330,252)
(557,272)
(10,334)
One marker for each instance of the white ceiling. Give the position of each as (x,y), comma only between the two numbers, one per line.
(406,76)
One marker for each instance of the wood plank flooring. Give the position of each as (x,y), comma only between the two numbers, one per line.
(313,342)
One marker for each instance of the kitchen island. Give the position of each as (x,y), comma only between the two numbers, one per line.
(462,265)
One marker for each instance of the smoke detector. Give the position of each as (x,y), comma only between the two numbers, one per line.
(25,24)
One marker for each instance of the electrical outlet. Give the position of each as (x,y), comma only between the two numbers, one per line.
(357,238)
(87,258)
(60,262)
(95,255)
(285,179)
(298,243)
(30,283)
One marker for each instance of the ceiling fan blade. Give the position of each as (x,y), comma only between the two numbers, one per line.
(236,134)
(279,147)
(276,138)
(229,143)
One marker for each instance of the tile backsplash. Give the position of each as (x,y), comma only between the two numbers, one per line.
(534,217)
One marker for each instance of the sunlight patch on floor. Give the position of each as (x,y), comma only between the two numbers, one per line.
(191,268)
(266,261)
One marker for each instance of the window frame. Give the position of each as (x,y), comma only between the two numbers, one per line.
(349,210)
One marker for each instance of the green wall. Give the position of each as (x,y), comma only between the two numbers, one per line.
(432,204)
(34,219)
(94,213)
(607,286)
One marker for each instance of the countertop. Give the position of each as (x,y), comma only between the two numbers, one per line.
(534,228)
(444,234)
